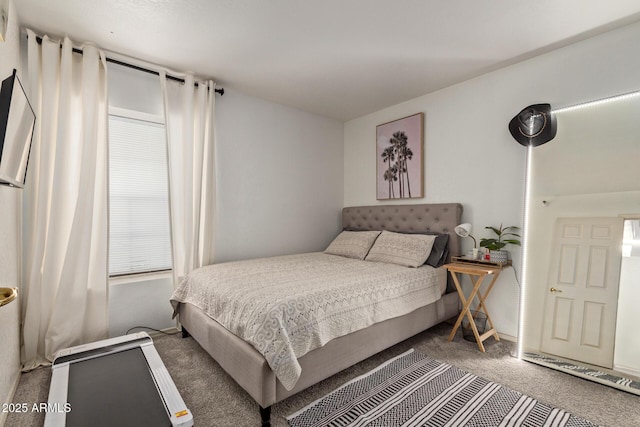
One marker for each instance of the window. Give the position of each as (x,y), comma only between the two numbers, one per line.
(139,227)
(139,230)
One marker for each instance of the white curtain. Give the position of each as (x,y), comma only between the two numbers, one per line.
(65,201)
(190,121)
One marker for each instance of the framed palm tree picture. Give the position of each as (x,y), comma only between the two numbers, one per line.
(399,156)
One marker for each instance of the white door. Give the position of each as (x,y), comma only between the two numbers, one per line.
(582,290)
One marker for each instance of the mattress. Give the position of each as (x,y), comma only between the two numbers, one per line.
(287,306)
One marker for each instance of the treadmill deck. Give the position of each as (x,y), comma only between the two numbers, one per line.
(120,381)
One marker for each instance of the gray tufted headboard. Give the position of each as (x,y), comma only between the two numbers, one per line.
(435,217)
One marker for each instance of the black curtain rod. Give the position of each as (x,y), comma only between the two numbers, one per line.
(136,67)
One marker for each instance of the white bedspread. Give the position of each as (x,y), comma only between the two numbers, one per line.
(287,306)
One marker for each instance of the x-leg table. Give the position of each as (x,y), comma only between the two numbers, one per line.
(477,274)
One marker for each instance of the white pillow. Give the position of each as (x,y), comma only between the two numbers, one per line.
(352,244)
(410,250)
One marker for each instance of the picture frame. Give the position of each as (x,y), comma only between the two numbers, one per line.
(399,158)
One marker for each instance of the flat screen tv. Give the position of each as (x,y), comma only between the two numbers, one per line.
(17,122)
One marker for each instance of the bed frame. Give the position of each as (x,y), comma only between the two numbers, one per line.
(250,369)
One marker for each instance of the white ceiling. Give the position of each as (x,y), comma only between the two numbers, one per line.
(338,58)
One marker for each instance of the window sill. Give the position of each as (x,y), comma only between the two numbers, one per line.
(140,277)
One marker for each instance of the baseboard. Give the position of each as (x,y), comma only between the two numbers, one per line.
(507,337)
(627,370)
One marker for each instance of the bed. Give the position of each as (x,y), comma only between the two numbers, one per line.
(252,369)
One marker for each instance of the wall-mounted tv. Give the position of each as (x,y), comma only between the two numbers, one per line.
(17,122)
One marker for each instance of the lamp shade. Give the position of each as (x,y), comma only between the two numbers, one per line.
(463,230)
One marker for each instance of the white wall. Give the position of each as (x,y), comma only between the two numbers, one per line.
(627,343)
(10,245)
(9,353)
(471,158)
(10,198)
(279,172)
(140,301)
(279,191)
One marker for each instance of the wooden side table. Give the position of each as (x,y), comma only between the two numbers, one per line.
(477,274)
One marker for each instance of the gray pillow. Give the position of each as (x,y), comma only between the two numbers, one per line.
(352,244)
(440,250)
(410,250)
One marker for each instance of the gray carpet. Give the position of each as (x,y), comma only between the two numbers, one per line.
(215,400)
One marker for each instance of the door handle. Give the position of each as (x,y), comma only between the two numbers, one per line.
(7,295)
(555,290)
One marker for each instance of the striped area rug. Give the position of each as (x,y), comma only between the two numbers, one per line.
(415,390)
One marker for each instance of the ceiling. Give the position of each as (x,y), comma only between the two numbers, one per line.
(337,58)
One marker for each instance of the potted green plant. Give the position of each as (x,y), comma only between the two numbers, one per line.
(503,236)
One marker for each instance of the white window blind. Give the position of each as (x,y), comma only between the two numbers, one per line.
(139,231)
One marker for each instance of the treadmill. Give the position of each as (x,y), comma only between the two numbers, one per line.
(114,382)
